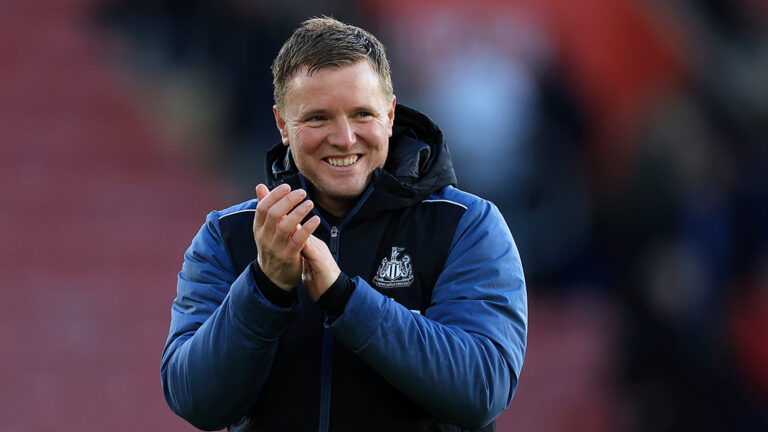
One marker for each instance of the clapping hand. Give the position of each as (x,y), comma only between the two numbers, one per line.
(278,234)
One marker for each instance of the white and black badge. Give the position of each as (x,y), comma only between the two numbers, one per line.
(395,271)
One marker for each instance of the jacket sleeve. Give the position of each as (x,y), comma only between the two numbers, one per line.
(461,361)
(223,336)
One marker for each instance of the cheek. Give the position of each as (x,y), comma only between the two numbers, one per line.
(378,132)
(378,141)
(305,139)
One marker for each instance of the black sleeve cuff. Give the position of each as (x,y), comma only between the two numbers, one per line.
(272,292)
(334,300)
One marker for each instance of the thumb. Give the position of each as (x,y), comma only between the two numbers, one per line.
(312,248)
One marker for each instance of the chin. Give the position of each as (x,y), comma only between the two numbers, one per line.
(345,194)
(339,189)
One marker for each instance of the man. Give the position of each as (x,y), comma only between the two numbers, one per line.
(361,291)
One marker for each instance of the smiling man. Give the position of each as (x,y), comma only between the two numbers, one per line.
(360,290)
(338,123)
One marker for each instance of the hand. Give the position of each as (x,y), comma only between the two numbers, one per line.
(319,269)
(278,235)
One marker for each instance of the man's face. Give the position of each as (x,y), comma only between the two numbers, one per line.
(338,123)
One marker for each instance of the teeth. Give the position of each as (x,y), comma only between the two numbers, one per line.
(349,160)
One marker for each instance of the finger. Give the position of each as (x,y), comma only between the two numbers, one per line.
(261,191)
(314,248)
(288,225)
(267,200)
(299,238)
(265,203)
(282,207)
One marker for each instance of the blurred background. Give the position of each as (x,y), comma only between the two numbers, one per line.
(625,141)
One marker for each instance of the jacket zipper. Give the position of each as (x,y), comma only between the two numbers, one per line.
(334,246)
(327,352)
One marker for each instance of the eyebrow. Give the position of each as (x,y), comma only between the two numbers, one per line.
(318,111)
(311,112)
(369,108)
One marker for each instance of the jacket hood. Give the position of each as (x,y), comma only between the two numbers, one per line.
(418,164)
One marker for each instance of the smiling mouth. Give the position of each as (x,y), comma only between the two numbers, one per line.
(343,162)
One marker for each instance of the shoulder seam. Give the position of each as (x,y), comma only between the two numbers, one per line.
(234,213)
(445,200)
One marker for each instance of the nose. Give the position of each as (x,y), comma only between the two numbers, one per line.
(343,134)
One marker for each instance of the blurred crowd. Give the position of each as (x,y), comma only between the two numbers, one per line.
(625,142)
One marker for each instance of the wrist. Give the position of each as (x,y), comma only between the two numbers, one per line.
(335,298)
(273,292)
(285,286)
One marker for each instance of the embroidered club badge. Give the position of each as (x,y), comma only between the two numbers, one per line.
(396,271)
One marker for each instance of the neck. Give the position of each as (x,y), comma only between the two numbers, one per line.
(336,207)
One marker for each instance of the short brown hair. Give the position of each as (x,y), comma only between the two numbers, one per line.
(325,42)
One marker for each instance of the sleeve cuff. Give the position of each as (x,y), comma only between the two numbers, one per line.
(334,300)
(272,292)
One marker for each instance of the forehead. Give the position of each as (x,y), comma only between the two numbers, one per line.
(356,83)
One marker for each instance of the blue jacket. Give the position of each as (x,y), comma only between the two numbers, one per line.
(432,337)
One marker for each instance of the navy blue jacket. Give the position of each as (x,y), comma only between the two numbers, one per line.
(432,337)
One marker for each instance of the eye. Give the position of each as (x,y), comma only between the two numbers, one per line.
(315,119)
(364,114)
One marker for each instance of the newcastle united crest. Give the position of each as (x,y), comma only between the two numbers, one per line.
(395,271)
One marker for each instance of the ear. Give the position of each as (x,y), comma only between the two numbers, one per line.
(391,114)
(280,125)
